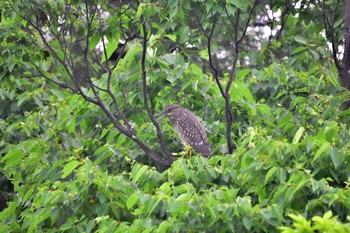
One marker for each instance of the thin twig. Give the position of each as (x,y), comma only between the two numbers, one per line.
(53,81)
(284,17)
(213,68)
(329,28)
(109,75)
(247,22)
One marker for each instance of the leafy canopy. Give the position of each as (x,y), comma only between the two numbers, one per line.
(65,166)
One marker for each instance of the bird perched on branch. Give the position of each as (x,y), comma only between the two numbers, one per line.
(188,127)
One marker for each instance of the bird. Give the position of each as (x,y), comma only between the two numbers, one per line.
(188,127)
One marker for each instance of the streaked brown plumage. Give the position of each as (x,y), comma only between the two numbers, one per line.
(188,127)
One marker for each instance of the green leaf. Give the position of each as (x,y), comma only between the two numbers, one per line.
(71,124)
(331,130)
(121,139)
(13,158)
(129,56)
(241,4)
(298,50)
(90,225)
(204,54)
(69,167)
(132,200)
(101,149)
(57,49)
(166,188)
(211,210)
(209,5)
(26,130)
(110,48)
(325,146)
(55,198)
(154,205)
(142,170)
(264,110)
(336,157)
(28,194)
(175,9)
(282,175)
(23,97)
(270,173)
(141,9)
(300,39)
(11,62)
(73,102)
(242,73)
(298,135)
(94,40)
(231,10)
(338,22)
(171,37)
(154,39)
(185,169)
(314,70)
(164,226)
(104,132)
(241,92)
(248,223)
(333,79)
(38,101)
(37,220)
(195,85)
(162,63)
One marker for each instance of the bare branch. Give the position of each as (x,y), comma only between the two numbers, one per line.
(237,43)
(329,28)
(215,73)
(284,17)
(247,23)
(226,94)
(213,68)
(67,62)
(42,74)
(109,71)
(145,94)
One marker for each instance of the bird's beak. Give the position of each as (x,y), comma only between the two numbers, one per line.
(160,115)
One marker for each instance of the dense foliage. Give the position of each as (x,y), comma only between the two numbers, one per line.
(66,167)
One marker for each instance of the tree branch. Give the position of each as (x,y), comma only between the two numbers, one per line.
(51,80)
(284,17)
(329,28)
(73,75)
(225,94)
(213,68)
(145,94)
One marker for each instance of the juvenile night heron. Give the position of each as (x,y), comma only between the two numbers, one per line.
(188,127)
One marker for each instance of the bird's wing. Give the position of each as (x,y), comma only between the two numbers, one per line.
(198,136)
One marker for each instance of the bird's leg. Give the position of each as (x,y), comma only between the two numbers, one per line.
(189,150)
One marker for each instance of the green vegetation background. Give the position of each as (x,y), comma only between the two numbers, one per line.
(65,168)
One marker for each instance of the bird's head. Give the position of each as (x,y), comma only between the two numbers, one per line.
(169,110)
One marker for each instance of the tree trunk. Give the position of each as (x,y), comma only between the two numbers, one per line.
(344,74)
